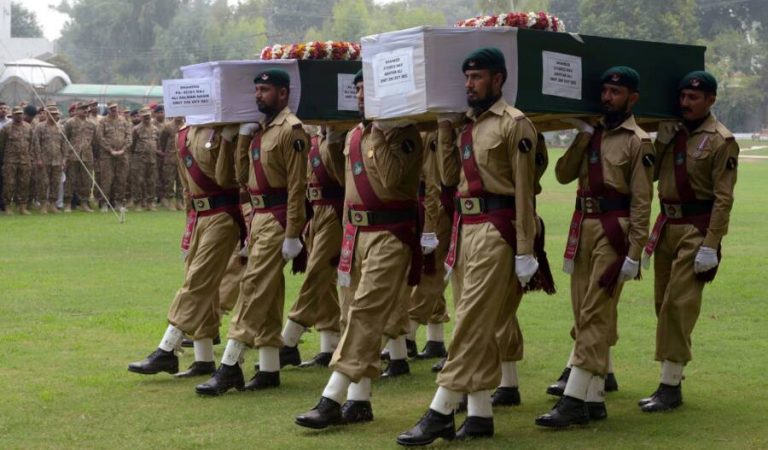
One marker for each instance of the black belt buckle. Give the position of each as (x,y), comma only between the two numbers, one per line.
(360,218)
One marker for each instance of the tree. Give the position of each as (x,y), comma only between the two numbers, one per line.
(652,20)
(24,22)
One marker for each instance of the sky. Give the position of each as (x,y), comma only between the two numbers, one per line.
(52,21)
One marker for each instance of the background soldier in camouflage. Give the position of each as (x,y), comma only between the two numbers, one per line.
(143,162)
(50,150)
(15,152)
(168,166)
(114,138)
(81,132)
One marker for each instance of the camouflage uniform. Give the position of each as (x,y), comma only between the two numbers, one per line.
(81,133)
(16,153)
(50,150)
(168,166)
(114,135)
(143,164)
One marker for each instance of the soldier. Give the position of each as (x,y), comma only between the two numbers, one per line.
(81,133)
(318,301)
(93,112)
(169,176)
(143,162)
(380,253)
(50,150)
(30,116)
(206,160)
(612,163)
(276,182)
(3,121)
(696,170)
(492,246)
(16,154)
(135,117)
(114,137)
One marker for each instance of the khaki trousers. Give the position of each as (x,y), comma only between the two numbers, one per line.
(487,270)
(195,309)
(229,289)
(379,273)
(427,303)
(318,301)
(677,291)
(15,181)
(259,319)
(594,310)
(114,176)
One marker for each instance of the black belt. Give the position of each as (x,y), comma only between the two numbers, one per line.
(325,193)
(470,206)
(266,201)
(682,210)
(381,217)
(598,205)
(202,204)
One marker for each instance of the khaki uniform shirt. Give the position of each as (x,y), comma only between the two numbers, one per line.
(431,179)
(627,159)
(144,144)
(332,157)
(16,143)
(504,142)
(216,162)
(48,144)
(392,159)
(81,134)
(711,161)
(283,153)
(114,134)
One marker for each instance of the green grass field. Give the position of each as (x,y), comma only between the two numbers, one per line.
(82,296)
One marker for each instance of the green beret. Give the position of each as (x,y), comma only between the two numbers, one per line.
(489,58)
(622,76)
(358,77)
(275,77)
(699,79)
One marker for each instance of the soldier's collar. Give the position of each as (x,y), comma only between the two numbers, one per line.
(280,117)
(497,108)
(708,126)
(628,124)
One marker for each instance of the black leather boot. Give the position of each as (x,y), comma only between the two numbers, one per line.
(568,411)
(224,379)
(433,349)
(326,413)
(263,380)
(431,426)
(198,368)
(289,356)
(411,348)
(665,398)
(438,366)
(611,385)
(356,411)
(597,410)
(396,368)
(322,359)
(475,427)
(158,361)
(506,396)
(558,387)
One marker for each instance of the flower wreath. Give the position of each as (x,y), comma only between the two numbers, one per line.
(532,20)
(328,50)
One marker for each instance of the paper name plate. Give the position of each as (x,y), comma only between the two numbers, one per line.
(223,91)
(416,73)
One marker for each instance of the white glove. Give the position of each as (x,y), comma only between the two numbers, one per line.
(247,129)
(705,259)
(525,268)
(629,269)
(291,248)
(580,125)
(429,242)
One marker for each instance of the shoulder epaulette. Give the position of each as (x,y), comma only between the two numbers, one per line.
(724,132)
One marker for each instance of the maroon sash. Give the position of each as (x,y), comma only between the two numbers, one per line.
(407,231)
(279,212)
(324,180)
(609,219)
(211,189)
(686,194)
